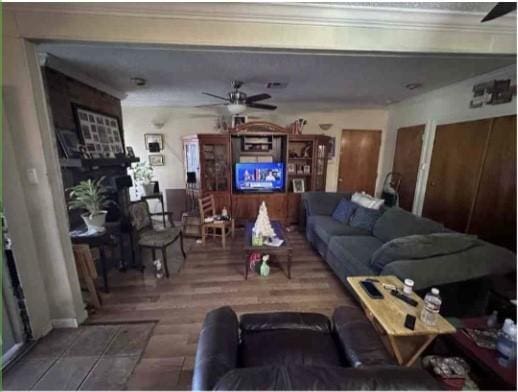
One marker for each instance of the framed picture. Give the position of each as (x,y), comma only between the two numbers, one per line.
(69,142)
(298,185)
(99,131)
(156,160)
(154,138)
(131,153)
(291,168)
(238,119)
(331,148)
(307,169)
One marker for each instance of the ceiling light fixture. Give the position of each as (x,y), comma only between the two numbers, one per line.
(413,86)
(139,81)
(236,108)
(325,127)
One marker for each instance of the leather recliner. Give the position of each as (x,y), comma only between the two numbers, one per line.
(298,351)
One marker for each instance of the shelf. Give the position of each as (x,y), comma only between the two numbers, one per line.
(97,162)
(300,159)
(299,175)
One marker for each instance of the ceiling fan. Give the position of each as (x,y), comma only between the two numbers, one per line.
(237,101)
(500,9)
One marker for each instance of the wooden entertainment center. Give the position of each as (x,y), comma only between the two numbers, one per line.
(210,160)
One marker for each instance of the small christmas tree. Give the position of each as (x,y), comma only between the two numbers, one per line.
(262,224)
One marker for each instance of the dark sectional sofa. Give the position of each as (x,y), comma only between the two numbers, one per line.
(462,276)
(298,351)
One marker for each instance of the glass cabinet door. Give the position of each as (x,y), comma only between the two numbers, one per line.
(321,166)
(215,168)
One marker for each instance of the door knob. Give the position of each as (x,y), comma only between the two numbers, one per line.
(340,180)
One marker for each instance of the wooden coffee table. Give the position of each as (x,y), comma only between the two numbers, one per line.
(388,317)
(284,250)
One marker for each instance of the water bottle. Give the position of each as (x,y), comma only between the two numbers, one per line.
(506,343)
(432,304)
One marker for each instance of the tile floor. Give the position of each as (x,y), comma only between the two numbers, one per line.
(93,357)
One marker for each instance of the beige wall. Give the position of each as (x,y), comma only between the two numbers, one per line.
(180,122)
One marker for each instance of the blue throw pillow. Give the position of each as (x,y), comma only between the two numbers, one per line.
(364,218)
(344,210)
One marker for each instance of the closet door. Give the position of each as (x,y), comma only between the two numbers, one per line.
(406,162)
(453,178)
(494,212)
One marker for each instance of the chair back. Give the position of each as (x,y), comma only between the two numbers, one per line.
(207,207)
(139,215)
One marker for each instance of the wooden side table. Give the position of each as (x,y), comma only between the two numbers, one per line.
(388,317)
(284,250)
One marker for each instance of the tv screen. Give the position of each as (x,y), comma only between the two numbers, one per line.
(259,177)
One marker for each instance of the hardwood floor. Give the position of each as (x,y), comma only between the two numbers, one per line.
(210,277)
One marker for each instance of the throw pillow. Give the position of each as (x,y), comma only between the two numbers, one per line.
(367,201)
(344,210)
(364,218)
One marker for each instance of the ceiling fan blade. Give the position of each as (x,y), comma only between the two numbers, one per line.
(215,96)
(261,106)
(257,97)
(500,9)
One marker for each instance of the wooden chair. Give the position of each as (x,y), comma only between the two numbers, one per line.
(87,272)
(207,208)
(148,237)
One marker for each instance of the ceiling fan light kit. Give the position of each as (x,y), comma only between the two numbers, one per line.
(237,101)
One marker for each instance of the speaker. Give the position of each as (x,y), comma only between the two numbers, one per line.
(154,147)
(191,177)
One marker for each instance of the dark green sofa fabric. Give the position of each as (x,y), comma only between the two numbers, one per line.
(326,227)
(352,254)
(396,223)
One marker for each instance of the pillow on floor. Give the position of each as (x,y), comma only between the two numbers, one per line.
(344,210)
(364,218)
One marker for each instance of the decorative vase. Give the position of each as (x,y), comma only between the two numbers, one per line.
(148,189)
(95,222)
(265,268)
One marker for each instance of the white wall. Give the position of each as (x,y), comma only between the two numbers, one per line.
(446,105)
(179,122)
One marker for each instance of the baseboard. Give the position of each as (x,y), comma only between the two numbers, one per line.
(64,323)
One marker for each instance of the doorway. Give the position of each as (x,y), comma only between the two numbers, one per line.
(359,155)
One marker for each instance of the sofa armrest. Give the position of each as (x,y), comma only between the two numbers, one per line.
(361,343)
(217,348)
(254,322)
(293,378)
(322,203)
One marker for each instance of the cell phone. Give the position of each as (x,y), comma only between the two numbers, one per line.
(371,289)
(410,322)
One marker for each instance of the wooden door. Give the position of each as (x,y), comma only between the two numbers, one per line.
(406,162)
(454,172)
(359,153)
(494,211)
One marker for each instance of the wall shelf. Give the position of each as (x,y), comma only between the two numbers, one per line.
(97,162)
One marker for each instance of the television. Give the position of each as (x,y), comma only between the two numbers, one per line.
(259,177)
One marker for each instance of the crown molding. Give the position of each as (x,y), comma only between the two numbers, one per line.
(316,14)
(48,60)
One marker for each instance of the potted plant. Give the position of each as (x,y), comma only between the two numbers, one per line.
(143,174)
(90,195)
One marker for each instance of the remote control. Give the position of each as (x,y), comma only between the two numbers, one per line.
(404,297)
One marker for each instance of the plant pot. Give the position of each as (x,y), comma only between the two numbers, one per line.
(148,189)
(96,222)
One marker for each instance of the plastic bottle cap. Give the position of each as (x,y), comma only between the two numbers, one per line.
(409,282)
(435,291)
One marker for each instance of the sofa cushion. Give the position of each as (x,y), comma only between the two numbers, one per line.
(289,347)
(365,218)
(326,227)
(396,222)
(420,246)
(354,252)
(344,210)
(367,201)
(255,322)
